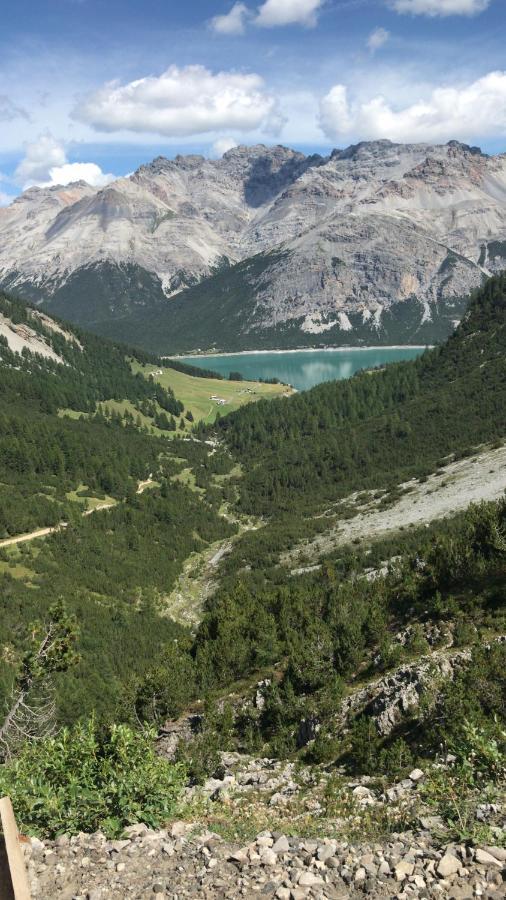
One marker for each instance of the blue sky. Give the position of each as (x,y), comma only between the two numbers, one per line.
(94,88)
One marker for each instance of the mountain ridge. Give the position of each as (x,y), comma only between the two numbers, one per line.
(357,236)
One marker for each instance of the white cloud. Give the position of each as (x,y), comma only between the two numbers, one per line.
(182,102)
(40,156)
(440,7)
(45,164)
(468,113)
(233,22)
(288,12)
(222,145)
(377,39)
(89,172)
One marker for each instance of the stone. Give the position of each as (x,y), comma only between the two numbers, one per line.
(360,875)
(487,859)
(118,846)
(416,775)
(448,865)
(403,869)
(325,852)
(307,879)
(498,852)
(135,830)
(268,857)
(281,845)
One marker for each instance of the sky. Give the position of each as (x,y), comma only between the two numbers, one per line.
(94,88)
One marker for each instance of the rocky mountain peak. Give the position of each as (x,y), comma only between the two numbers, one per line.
(356,233)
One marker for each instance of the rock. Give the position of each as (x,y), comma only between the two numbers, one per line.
(307,879)
(364,796)
(487,859)
(448,865)
(278,799)
(135,830)
(118,846)
(416,775)
(268,857)
(403,869)
(310,205)
(281,845)
(498,852)
(325,852)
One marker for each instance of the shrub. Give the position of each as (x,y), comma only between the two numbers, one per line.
(84,780)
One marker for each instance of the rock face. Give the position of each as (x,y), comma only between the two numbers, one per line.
(337,244)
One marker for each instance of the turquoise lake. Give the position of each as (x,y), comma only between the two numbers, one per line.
(303,368)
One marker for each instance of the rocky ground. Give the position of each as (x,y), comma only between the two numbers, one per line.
(186,861)
(317,841)
(452,488)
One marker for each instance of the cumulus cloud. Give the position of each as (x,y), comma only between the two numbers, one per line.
(222,145)
(377,39)
(182,102)
(40,156)
(288,12)
(45,164)
(233,22)
(440,7)
(469,112)
(9,111)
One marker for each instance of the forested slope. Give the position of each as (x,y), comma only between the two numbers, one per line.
(380,428)
(113,568)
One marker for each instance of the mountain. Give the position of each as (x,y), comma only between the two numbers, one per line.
(376,243)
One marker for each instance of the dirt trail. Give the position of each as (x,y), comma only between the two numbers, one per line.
(470,480)
(40,532)
(43,532)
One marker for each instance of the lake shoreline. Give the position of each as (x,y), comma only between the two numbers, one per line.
(344,349)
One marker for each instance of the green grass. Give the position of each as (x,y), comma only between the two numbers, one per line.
(13,564)
(196,393)
(187,477)
(87,500)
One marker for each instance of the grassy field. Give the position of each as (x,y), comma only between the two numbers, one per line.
(87,500)
(13,562)
(197,393)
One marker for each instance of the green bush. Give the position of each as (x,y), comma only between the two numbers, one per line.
(83,780)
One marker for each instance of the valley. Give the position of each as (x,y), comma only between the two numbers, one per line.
(310,585)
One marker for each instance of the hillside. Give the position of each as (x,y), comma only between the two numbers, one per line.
(374,431)
(357,699)
(103,493)
(377,243)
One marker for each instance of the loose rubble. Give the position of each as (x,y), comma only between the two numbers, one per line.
(304,853)
(185,861)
